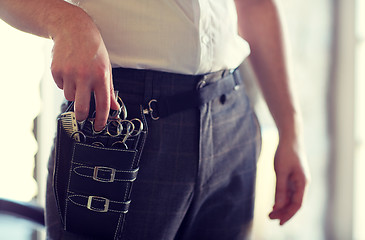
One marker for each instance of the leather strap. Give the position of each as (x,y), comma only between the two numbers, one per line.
(99,204)
(204,93)
(106,174)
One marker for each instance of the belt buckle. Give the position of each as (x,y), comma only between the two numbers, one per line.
(106,169)
(97,198)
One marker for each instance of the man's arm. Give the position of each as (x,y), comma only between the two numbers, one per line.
(80,62)
(259,24)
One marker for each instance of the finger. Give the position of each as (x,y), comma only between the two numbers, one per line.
(281,191)
(57,77)
(69,90)
(82,103)
(58,81)
(102,106)
(113,99)
(291,211)
(295,193)
(285,214)
(296,189)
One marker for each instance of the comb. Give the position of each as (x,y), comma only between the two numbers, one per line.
(69,123)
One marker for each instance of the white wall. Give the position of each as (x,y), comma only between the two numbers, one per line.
(308,24)
(21,69)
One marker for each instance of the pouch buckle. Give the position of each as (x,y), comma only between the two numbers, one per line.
(97,198)
(111,172)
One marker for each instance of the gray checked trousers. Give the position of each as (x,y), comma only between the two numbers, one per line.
(197,171)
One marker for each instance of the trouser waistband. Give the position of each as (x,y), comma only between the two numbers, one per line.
(196,90)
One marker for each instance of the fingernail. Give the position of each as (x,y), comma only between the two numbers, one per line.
(98,128)
(81,124)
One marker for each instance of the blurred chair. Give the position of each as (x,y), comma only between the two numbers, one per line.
(21,220)
(25,210)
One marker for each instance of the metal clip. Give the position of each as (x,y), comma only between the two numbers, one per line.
(150,110)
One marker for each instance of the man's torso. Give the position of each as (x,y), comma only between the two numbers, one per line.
(181,36)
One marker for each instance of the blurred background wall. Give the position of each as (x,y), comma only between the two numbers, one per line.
(308,26)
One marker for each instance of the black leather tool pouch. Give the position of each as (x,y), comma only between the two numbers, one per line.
(93,182)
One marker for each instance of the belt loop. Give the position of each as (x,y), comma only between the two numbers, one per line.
(201,83)
(151,92)
(236,77)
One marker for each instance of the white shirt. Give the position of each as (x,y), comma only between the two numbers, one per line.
(180,36)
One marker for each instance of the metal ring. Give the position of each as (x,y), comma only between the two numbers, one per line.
(98,144)
(77,137)
(119,128)
(122,109)
(94,131)
(139,129)
(128,130)
(113,114)
(117,143)
(92,120)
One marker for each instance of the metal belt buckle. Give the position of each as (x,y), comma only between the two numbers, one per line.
(111,171)
(90,207)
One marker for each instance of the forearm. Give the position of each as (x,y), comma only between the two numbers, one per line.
(80,64)
(259,24)
(45,18)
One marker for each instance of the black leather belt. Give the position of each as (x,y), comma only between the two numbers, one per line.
(205,92)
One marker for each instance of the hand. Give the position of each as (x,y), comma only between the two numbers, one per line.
(291,180)
(81,65)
